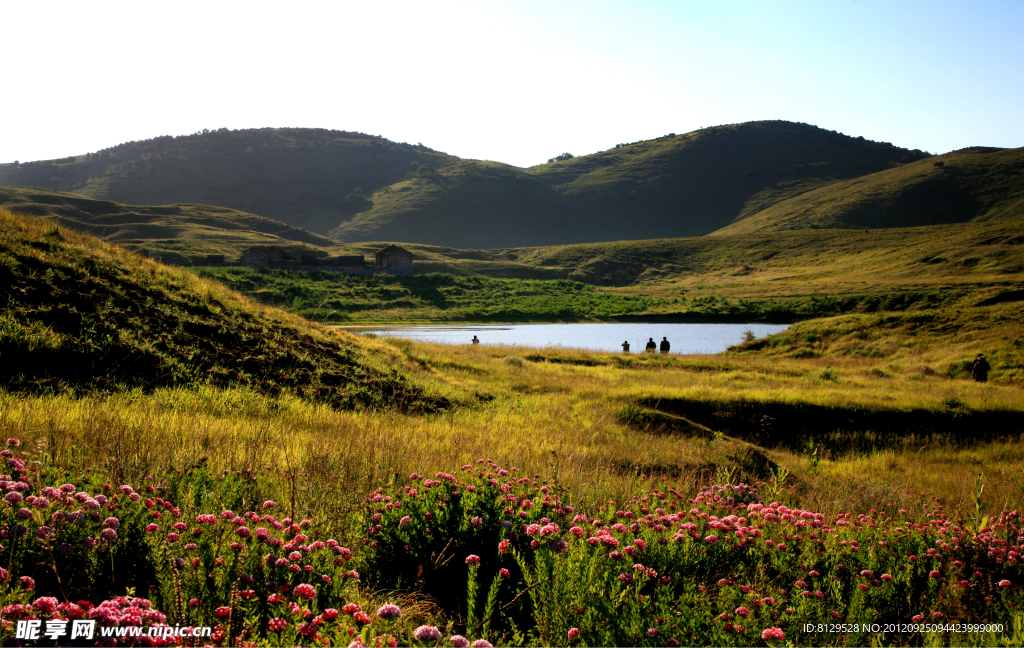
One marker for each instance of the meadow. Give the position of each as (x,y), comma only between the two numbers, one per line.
(434,495)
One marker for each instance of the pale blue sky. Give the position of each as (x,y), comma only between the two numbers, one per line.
(517,82)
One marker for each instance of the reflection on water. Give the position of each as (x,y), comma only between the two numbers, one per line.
(683,338)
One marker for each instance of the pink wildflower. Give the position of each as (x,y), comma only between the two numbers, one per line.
(472,559)
(458,641)
(773,633)
(387,611)
(427,633)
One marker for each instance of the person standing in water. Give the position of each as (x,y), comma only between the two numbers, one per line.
(665,346)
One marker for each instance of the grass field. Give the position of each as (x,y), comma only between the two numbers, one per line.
(864,424)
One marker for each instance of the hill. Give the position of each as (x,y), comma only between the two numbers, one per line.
(358,187)
(306,177)
(673,186)
(77,313)
(973,184)
(175,234)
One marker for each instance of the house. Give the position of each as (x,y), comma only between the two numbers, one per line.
(394,257)
(263,257)
(392,260)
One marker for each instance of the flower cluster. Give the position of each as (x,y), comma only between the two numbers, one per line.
(668,551)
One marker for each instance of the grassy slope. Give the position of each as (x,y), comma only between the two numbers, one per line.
(789,263)
(173,233)
(302,176)
(77,312)
(965,185)
(680,185)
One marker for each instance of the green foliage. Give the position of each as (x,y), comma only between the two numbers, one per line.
(829,375)
(333,297)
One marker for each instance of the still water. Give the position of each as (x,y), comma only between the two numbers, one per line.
(684,338)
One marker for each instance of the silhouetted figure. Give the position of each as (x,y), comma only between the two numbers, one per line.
(981,369)
(665,346)
(625,346)
(476,340)
(651,346)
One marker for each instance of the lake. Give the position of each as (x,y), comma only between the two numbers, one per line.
(684,338)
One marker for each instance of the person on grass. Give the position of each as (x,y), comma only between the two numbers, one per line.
(981,368)
(651,346)
(476,340)
(665,346)
(625,346)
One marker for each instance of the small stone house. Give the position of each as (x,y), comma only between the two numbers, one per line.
(394,257)
(262,257)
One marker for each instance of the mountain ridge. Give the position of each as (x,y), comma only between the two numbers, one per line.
(360,187)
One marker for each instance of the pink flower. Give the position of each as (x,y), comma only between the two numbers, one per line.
(835,615)
(472,559)
(934,574)
(14,443)
(574,633)
(387,611)
(404,521)
(222,611)
(481,643)
(305,591)
(269,504)
(504,546)
(1003,583)
(917,618)
(361,617)
(711,539)
(773,633)
(27,583)
(427,633)
(742,611)
(504,573)
(887,578)
(458,641)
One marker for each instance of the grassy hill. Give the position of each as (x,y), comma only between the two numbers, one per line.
(672,186)
(77,313)
(306,177)
(966,185)
(176,234)
(359,187)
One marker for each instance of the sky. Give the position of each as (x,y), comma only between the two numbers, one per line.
(513,81)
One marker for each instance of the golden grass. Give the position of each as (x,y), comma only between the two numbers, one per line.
(550,418)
